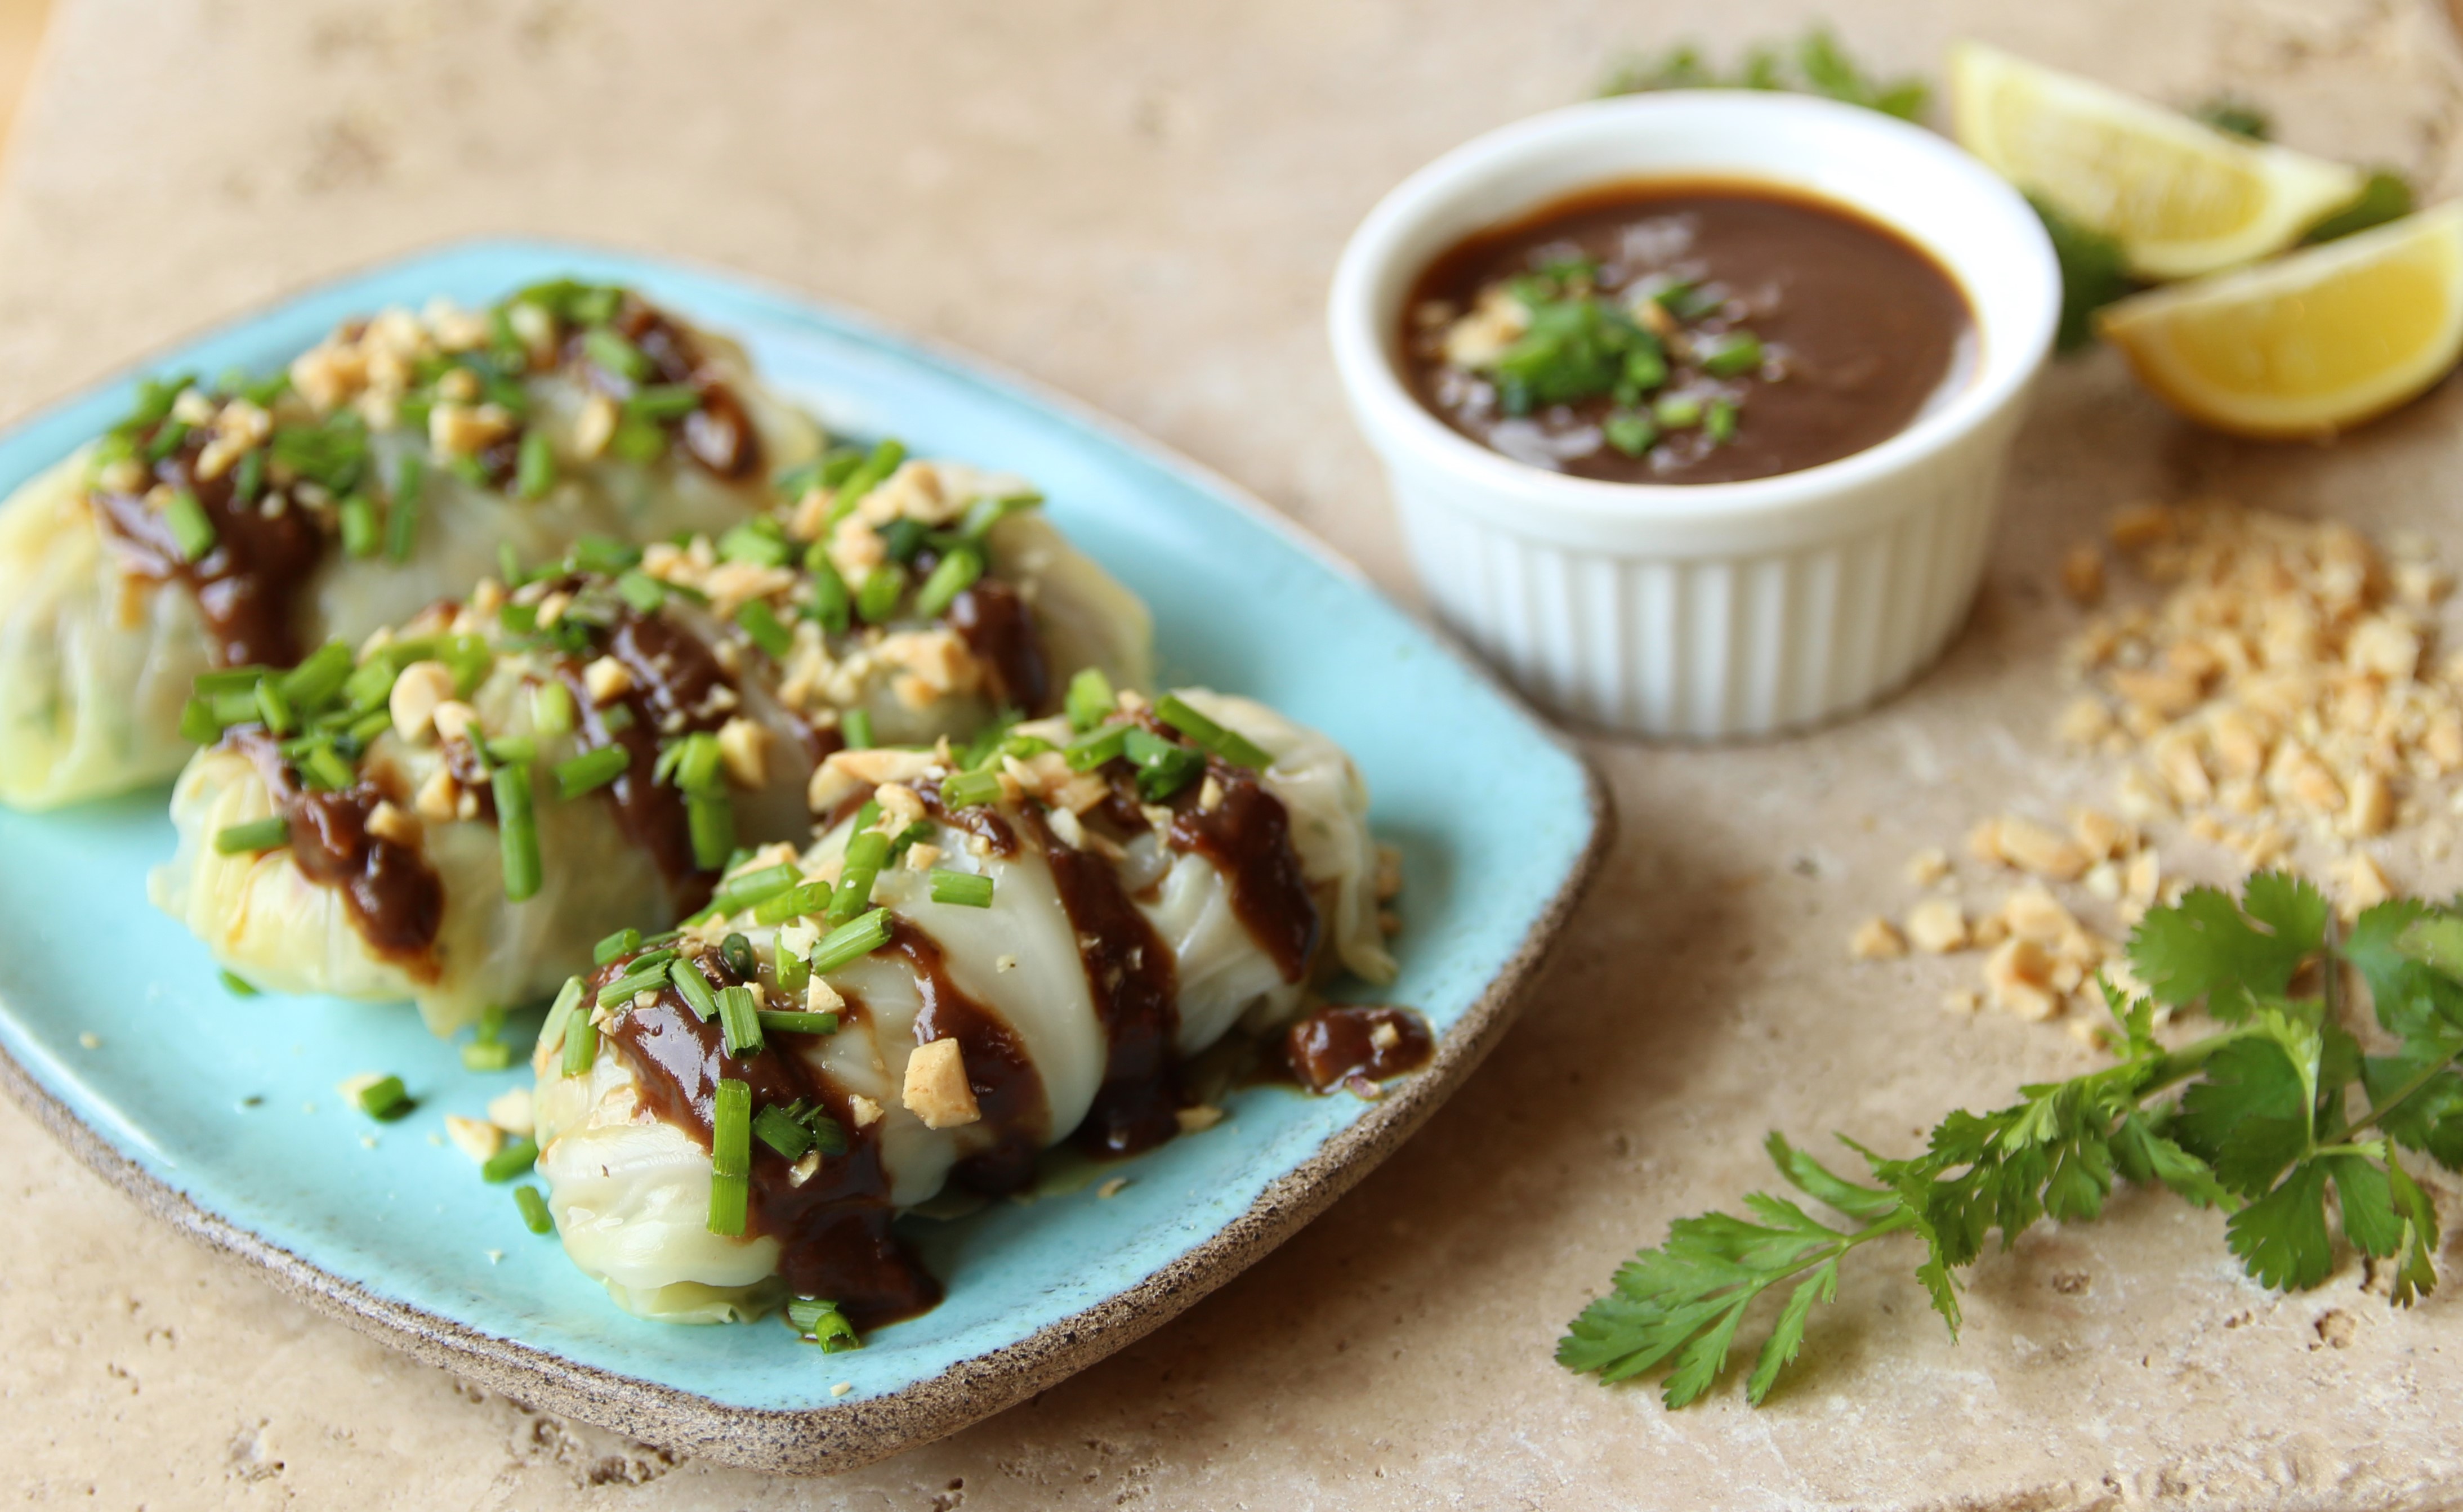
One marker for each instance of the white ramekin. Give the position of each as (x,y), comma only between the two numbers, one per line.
(1710,609)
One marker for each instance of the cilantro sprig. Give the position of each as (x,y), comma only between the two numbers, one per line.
(2280,1119)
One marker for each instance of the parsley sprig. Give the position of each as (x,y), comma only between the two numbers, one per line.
(2279,1119)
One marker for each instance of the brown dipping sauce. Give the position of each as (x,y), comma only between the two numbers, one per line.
(1862,330)
(396,899)
(1342,1045)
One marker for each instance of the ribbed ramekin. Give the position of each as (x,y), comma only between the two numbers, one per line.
(1711,610)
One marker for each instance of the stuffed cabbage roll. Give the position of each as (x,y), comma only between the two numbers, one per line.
(982,957)
(456,812)
(243,523)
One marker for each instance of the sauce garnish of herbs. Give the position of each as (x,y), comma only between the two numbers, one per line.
(1672,332)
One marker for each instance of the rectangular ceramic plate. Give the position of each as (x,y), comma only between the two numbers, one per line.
(221,1112)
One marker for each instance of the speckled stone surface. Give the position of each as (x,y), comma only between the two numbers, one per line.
(1140,203)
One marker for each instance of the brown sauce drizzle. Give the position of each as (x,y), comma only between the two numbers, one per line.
(1007,1089)
(833,1232)
(719,434)
(673,675)
(1248,835)
(997,627)
(1338,1046)
(248,586)
(395,899)
(1135,985)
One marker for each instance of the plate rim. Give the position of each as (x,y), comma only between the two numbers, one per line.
(834,1438)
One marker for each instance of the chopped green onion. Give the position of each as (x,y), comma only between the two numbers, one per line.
(821,1322)
(552,708)
(1732,354)
(646,593)
(257,834)
(746,889)
(698,768)
(1677,411)
(761,624)
(730,1155)
(794,972)
(534,1214)
(807,898)
(517,831)
(855,727)
(274,708)
(852,941)
(866,855)
(949,577)
(663,401)
(984,514)
(711,820)
(775,1127)
(878,598)
(831,605)
(739,1020)
(534,466)
(1720,422)
(513,1159)
(1629,432)
(191,533)
(486,1055)
(371,683)
(737,952)
(384,1099)
(581,1045)
(591,771)
(904,537)
(694,988)
(1164,766)
(964,889)
(166,440)
(613,352)
(325,768)
(315,680)
(358,514)
(647,974)
(504,748)
(238,986)
(1091,700)
(198,725)
(604,554)
(968,788)
(402,520)
(230,679)
(616,718)
(759,541)
(1091,749)
(869,474)
(776,1021)
(567,998)
(1229,745)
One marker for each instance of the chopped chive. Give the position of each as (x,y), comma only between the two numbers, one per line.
(869,474)
(504,748)
(1091,700)
(371,683)
(515,1158)
(647,974)
(509,567)
(552,708)
(1092,748)
(984,514)
(593,769)
(238,986)
(663,401)
(402,519)
(878,598)
(855,727)
(710,819)
(518,620)
(486,1055)
(198,725)
(257,834)
(1629,432)
(968,788)
(533,467)
(358,515)
(695,988)
(1677,411)
(580,1035)
(852,941)
(517,831)
(1229,745)
(1736,352)
(604,554)
(384,1099)
(949,577)
(1164,766)
(807,898)
(191,533)
(739,1020)
(760,622)
(166,440)
(1720,422)
(698,768)
(747,888)
(778,1020)
(831,605)
(314,682)
(794,972)
(819,1321)
(730,1198)
(230,679)
(866,855)
(775,1127)
(646,593)
(964,889)
(616,718)
(737,952)
(325,768)
(730,1155)
(904,537)
(534,1214)
(613,352)
(759,541)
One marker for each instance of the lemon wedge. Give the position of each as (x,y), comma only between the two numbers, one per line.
(2308,344)
(2183,199)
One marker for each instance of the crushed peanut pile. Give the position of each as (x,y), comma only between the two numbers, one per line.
(2284,689)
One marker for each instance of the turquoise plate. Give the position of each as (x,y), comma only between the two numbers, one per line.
(220,1114)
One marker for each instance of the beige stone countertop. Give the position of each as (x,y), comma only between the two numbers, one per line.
(1141,203)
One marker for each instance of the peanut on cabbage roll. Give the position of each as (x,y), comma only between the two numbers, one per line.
(242,524)
(456,812)
(986,953)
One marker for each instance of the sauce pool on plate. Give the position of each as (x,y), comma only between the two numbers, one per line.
(1680,332)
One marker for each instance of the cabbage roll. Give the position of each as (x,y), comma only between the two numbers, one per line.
(456,812)
(243,523)
(986,953)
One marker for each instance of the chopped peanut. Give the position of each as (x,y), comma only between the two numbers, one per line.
(1936,926)
(937,1091)
(1876,939)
